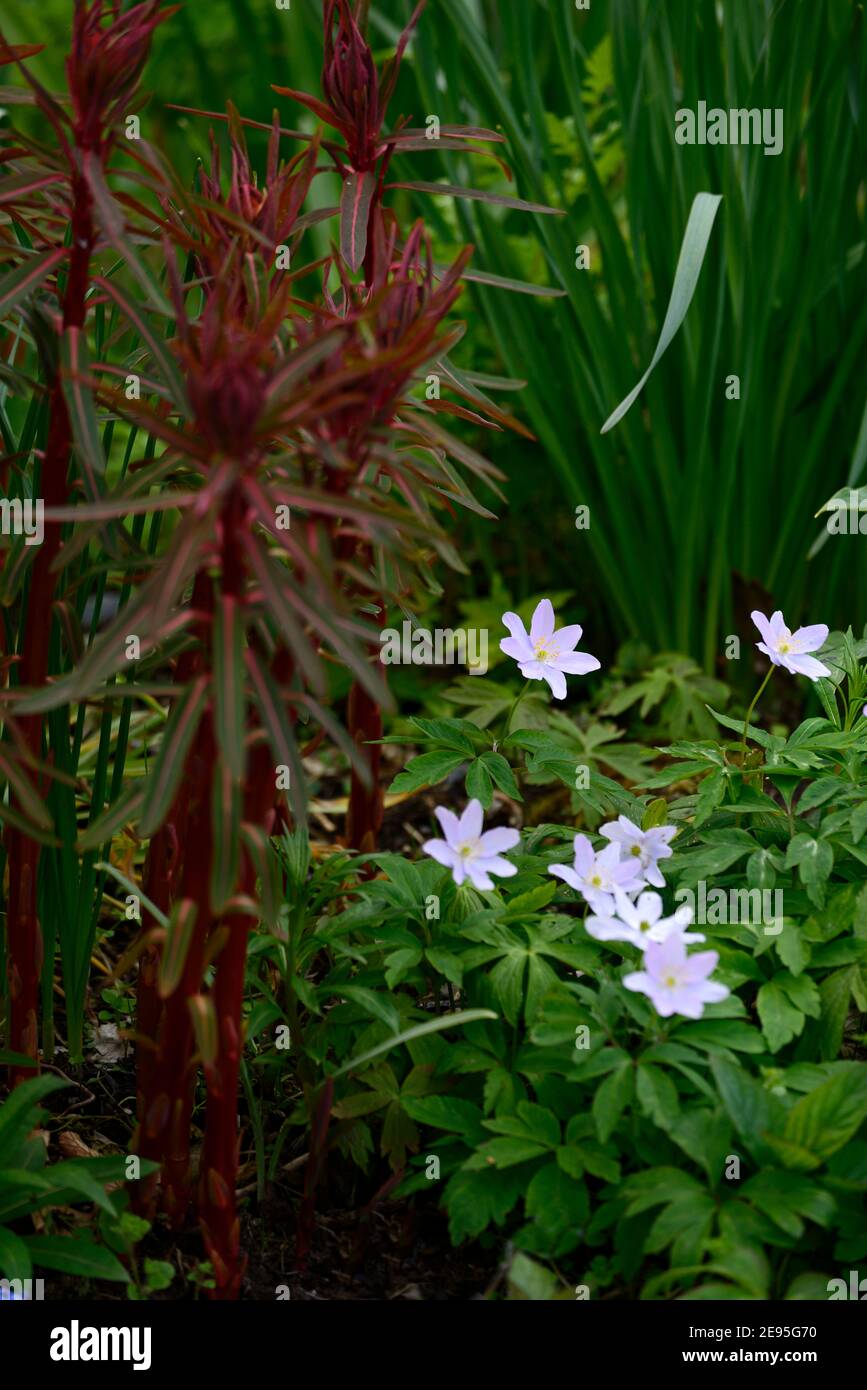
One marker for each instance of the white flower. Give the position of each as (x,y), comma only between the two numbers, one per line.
(789,649)
(469,852)
(645,846)
(545,654)
(641,922)
(677,983)
(597,876)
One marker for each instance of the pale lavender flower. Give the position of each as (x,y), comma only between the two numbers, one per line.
(646,846)
(468,851)
(546,654)
(674,982)
(641,922)
(790,649)
(597,876)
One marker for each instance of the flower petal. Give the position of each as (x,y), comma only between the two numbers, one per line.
(451,826)
(807,666)
(810,639)
(542,625)
(556,680)
(763,625)
(498,841)
(567,874)
(495,864)
(518,648)
(441,852)
(567,638)
(578,663)
(471,821)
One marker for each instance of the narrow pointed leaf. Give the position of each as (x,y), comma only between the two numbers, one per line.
(182,924)
(165,776)
(692,253)
(229,683)
(355,202)
(27,277)
(479,195)
(226,831)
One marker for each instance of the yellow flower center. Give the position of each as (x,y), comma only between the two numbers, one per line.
(671,981)
(596,881)
(636,851)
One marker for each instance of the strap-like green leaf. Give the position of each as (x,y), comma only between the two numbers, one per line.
(692,252)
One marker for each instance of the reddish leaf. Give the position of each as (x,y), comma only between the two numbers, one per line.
(358,190)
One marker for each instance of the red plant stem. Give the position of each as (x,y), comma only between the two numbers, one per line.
(24,934)
(218,1216)
(163,870)
(219,1166)
(164,1131)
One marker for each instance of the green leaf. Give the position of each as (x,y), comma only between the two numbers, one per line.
(555,1201)
(426,771)
(165,776)
(226,831)
(15,1262)
(182,922)
(229,683)
(828,1116)
(479,784)
(692,252)
(657,1095)
(611,1100)
(781,1020)
(502,774)
(78,1254)
(434,1025)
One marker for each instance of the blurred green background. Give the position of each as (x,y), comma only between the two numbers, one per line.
(701,508)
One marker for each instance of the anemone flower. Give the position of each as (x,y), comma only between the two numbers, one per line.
(641,922)
(675,982)
(598,876)
(546,653)
(791,649)
(469,851)
(645,846)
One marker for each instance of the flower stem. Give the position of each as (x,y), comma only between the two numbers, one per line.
(515,703)
(756,699)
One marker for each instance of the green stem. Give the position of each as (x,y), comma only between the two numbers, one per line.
(510,716)
(756,699)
